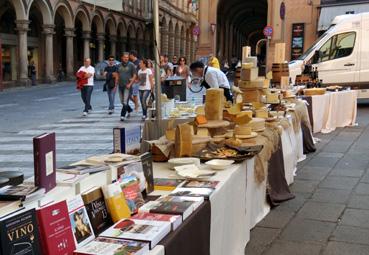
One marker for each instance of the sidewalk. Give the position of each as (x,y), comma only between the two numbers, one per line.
(330,214)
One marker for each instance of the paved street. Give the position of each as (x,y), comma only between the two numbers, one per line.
(330,214)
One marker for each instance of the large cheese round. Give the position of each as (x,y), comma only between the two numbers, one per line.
(242,130)
(257,124)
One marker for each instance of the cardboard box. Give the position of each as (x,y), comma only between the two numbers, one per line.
(249,74)
(257,83)
(280,53)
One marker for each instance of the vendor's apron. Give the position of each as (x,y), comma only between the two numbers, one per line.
(227,92)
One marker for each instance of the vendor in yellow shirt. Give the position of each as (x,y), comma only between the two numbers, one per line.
(213,62)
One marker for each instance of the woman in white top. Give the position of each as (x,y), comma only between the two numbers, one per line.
(146,82)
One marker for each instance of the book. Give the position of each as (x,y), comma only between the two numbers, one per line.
(166,184)
(96,209)
(19,234)
(135,168)
(139,230)
(9,207)
(44,161)
(192,192)
(21,192)
(15,177)
(81,225)
(110,246)
(146,161)
(127,140)
(62,179)
(116,202)
(196,201)
(175,220)
(83,169)
(55,229)
(200,184)
(131,190)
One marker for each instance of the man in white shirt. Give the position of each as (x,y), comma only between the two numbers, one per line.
(212,78)
(87,89)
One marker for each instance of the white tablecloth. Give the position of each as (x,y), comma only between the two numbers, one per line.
(334,109)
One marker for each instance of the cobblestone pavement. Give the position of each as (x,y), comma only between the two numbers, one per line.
(330,214)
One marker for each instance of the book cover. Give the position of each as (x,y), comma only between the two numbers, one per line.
(146,160)
(200,184)
(19,234)
(44,161)
(139,230)
(83,169)
(110,246)
(55,229)
(20,192)
(62,179)
(8,207)
(96,210)
(81,225)
(166,184)
(131,190)
(175,220)
(196,201)
(127,140)
(192,192)
(116,202)
(135,169)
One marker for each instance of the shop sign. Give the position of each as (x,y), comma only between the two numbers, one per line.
(298,38)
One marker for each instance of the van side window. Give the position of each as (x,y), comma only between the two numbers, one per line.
(338,46)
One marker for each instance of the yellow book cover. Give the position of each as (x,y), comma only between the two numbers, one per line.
(116,202)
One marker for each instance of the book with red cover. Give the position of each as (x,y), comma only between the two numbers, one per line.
(45,161)
(55,229)
(131,189)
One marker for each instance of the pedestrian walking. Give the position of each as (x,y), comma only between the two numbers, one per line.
(133,57)
(87,71)
(110,86)
(146,83)
(32,72)
(127,76)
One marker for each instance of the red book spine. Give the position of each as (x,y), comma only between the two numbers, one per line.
(42,232)
(36,161)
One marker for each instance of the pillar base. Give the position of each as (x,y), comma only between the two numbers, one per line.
(24,82)
(50,79)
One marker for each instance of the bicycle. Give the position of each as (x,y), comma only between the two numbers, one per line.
(195,85)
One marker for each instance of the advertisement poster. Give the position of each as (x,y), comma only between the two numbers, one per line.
(298,37)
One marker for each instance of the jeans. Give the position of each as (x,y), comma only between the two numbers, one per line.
(144,95)
(111,96)
(124,99)
(86,93)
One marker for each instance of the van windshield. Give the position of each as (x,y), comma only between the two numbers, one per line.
(312,47)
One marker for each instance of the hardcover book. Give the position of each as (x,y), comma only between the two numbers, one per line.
(200,184)
(44,161)
(146,160)
(192,192)
(139,230)
(175,220)
(83,169)
(110,246)
(19,234)
(131,190)
(81,225)
(55,229)
(20,192)
(116,202)
(135,169)
(96,210)
(8,207)
(196,201)
(166,184)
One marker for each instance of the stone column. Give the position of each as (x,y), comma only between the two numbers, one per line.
(193,50)
(113,45)
(124,45)
(48,31)
(164,41)
(177,46)
(86,44)
(22,28)
(69,35)
(188,49)
(171,45)
(101,40)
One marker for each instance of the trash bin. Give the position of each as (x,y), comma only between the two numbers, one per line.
(175,86)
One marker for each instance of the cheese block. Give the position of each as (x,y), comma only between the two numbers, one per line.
(235,109)
(170,134)
(246,52)
(249,74)
(252,95)
(200,110)
(262,113)
(269,75)
(257,105)
(253,60)
(256,83)
(183,141)
(214,104)
(243,118)
(242,130)
(285,82)
(203,132)
(247,65)
(201,119)
(266,83)
(257,124)
(272,98)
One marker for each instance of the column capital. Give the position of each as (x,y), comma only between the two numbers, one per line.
(48,29)
(100,36)
(69,32)
(86,35)
(22,25)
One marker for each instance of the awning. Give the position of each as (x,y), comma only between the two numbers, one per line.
(328,13)
(110,4)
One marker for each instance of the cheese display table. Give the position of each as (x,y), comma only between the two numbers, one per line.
(333,110)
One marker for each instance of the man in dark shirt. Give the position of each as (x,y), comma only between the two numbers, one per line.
(110,73)
(127,76)
(135,86)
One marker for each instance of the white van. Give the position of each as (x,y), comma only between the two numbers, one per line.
(341,54)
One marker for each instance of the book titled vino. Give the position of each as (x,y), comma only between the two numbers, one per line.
(19,234)
(175,220)
(55,229)
(96,210)
(44,161)
(139,230)
(116,202)
(81,225)
(166,184)
(131,189)
(110,246)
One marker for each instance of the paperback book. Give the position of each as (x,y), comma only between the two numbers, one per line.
(21,192)
(139,230)
(166,184)
(146,161)
(175,220)
(116,202)
(83,169)
(131,190)
(192,192)
(200,184)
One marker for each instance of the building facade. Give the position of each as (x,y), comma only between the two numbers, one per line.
(56,35)
(227,25)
